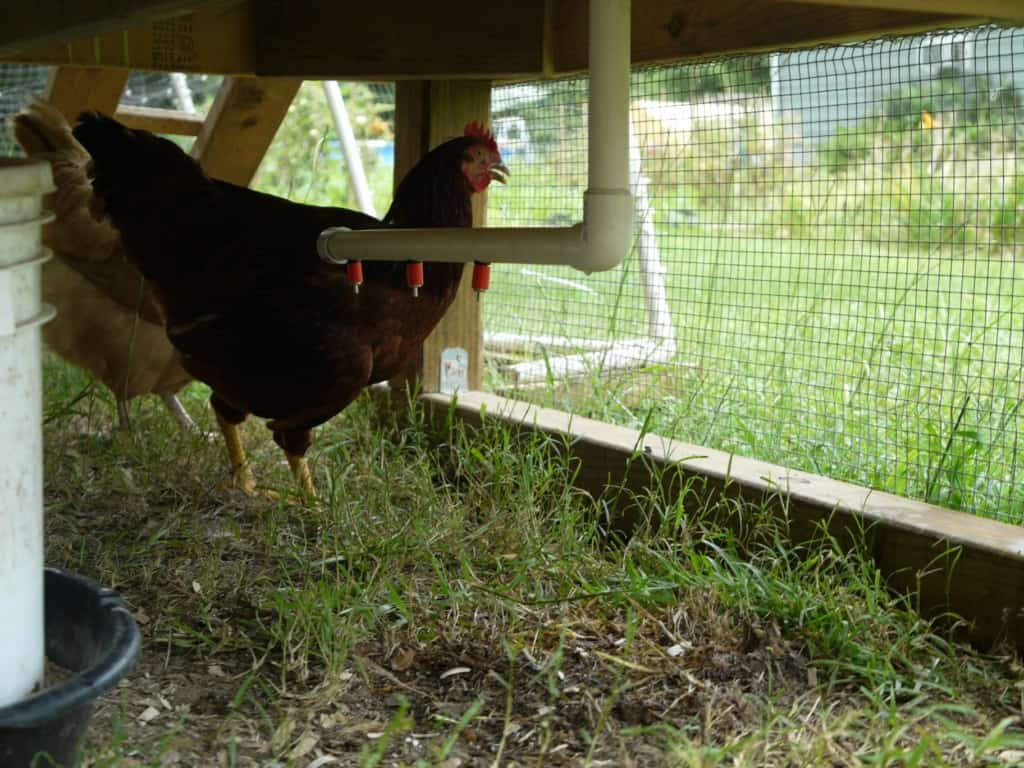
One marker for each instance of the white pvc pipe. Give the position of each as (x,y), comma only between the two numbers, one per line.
(503,341)
(622,355)
(607,205)
(182,93)
(659,319)
(22,185)
(347,139)
(609,356)
(604,238)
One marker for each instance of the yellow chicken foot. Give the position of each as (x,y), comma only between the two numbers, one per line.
(241,473)
(300,470)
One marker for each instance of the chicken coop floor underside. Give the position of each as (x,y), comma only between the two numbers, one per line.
(460,605)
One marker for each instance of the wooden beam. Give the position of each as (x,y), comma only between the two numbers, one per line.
(997,9)
(38,22)
(216,41)
(395,39)
(73,90)
(429,40)
(670,30)
(160,120)
(313,39)
(242,123)
(949,560)
(466,39)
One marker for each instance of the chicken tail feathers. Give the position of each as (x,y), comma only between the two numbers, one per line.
(75,236)
(40,128)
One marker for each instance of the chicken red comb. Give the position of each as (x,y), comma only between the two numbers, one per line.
(477,131)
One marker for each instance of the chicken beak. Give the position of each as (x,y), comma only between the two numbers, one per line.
(499,172)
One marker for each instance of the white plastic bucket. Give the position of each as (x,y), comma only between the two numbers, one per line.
(22,186)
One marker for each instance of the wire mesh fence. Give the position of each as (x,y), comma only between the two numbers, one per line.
(18,83)
(164,90)
(193,93)
(826,273)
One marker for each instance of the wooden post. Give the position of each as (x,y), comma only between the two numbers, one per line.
(157,120)
(73,90)
(426,114)
(242,123)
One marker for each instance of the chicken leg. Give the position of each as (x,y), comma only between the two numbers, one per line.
(228,419)
(295,443)
(300,470)
(241,473)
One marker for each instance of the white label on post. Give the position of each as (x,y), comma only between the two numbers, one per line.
(6,303)
(454,370)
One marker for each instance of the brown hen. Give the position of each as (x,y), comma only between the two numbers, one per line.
(253,310)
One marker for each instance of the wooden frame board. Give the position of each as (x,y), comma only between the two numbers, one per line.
(73,90)
(47,21)
(950,560)
(242,123)
(160,120)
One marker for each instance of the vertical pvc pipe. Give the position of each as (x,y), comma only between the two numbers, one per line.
(182,93)
(349,148)
(608,108)
(659,319)
(607,206)
(22,185)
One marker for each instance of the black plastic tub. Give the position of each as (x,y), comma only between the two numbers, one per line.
(91,634)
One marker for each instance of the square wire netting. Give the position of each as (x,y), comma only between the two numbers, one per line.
(177,91)
(827,271)
(18,83)
(171,90)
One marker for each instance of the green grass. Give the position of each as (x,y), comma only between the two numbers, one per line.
(453,600)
